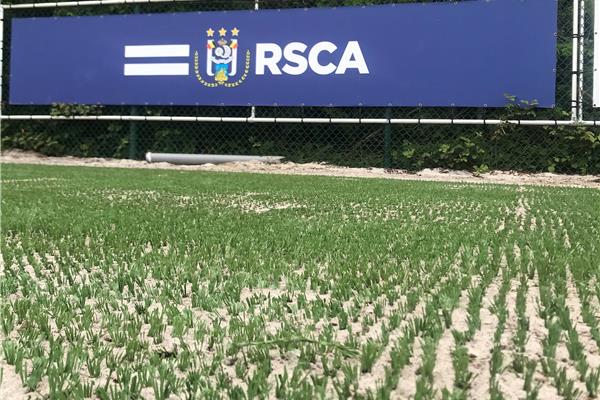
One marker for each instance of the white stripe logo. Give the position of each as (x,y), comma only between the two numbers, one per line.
(169,50)
(157,69)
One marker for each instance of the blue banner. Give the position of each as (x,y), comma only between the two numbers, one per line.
(465,54)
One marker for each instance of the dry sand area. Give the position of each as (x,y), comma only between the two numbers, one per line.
(501,177)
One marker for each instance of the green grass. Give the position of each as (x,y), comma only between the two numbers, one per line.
(124,283)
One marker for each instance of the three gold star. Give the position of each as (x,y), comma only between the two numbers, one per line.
(222,32)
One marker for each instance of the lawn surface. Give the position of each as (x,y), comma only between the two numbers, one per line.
(124,284)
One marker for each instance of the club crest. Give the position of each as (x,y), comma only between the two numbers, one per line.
(220,64)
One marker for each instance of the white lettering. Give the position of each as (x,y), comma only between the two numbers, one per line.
(269,56)
(263,61)
(352,58)
(294,53)
(313,58)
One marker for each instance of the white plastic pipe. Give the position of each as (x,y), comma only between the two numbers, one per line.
(575,64)
(197,159)
(84,3)
(580,57)
(1,55)
(596,83)
(272,120)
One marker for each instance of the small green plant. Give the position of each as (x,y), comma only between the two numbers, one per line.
(530,368)
(460,362)
(369,354)
(592,382)
(496,362)
(38,369)
(10,350)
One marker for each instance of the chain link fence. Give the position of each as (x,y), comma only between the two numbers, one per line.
(569,149)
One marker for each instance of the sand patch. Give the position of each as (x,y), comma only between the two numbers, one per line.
(290,168)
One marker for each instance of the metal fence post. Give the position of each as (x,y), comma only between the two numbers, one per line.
(387,139)
(133,134)
(1,55)
(575,105)
(253,108)
(580,59)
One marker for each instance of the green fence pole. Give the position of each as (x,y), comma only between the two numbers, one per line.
(387,139)
(133,135)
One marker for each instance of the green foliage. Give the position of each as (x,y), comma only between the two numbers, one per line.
(565,149)
(73,138)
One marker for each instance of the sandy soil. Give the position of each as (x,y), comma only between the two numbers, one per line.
(501,177)
(510,383)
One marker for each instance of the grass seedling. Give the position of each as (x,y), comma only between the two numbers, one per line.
(532,393)
(460,362)
(495,392)
(368,356)
(164,384)
(10,350)
(582,368)
(574,346)
(259,299)
(592,382)
(530,368)
(496,361)
(32,379)
(551,340)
